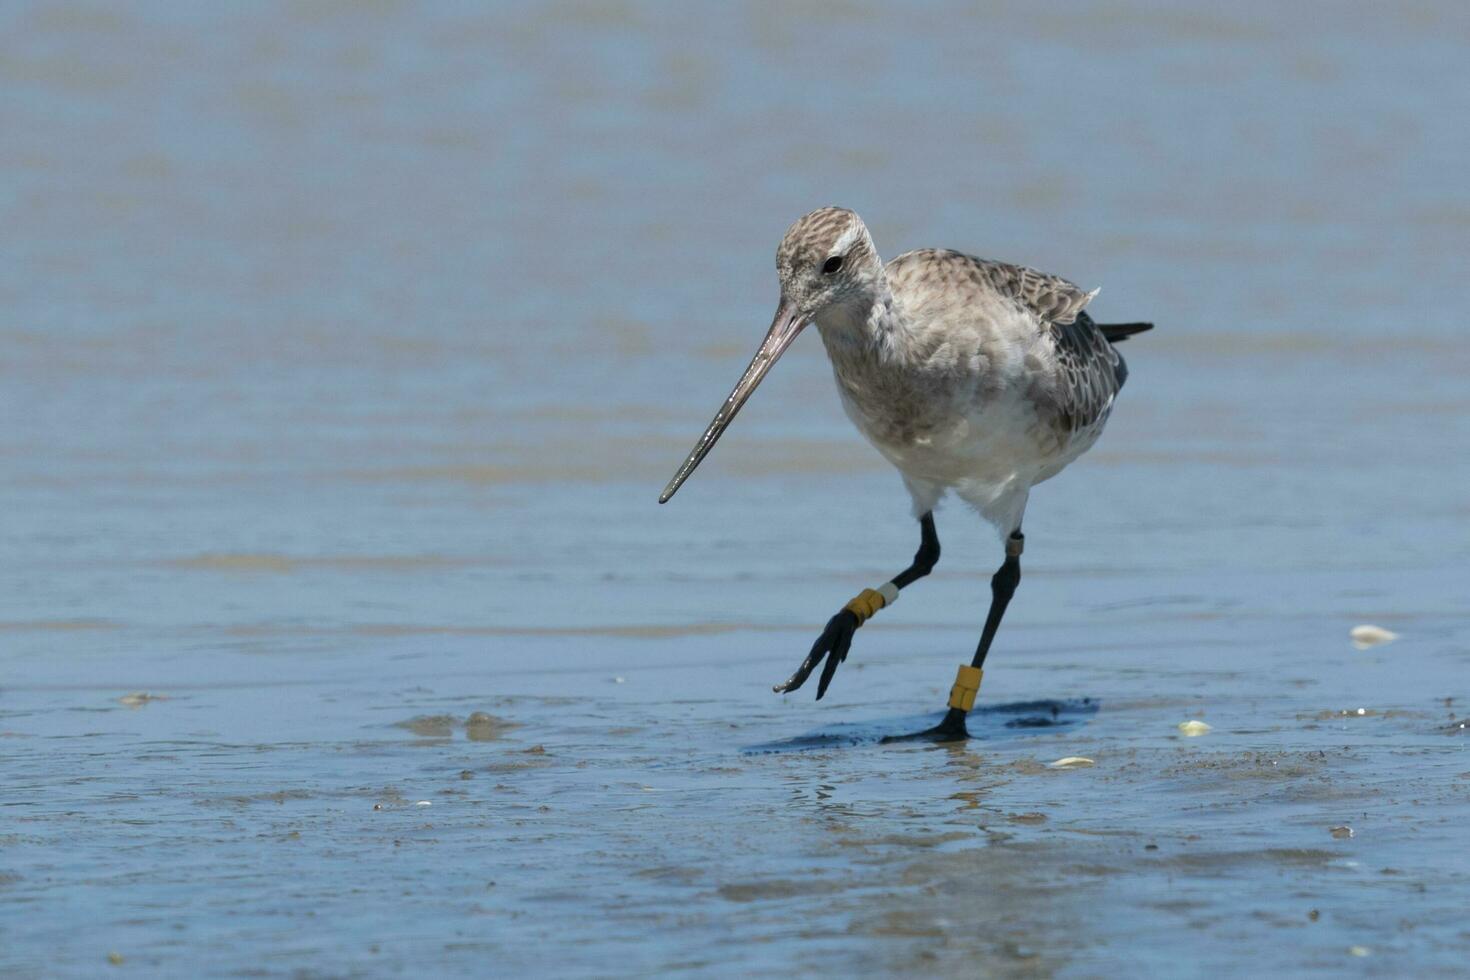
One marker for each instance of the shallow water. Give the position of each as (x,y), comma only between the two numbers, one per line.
(344,352)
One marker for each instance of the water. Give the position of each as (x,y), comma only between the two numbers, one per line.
(346,349)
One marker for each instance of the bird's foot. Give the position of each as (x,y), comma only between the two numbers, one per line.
(837,637)
(951,729)
(832,644)
(961,700)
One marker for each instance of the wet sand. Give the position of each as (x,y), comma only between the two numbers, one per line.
(647,804)
(344,356)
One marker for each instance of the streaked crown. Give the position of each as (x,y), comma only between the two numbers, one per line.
(826,257)
(818,235)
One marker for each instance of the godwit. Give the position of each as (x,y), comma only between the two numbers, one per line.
(968,375)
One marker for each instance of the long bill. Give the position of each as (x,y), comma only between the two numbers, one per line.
(784,328)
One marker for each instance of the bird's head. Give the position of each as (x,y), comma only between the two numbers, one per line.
(825,261)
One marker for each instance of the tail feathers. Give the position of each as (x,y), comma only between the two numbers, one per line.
(1118,332)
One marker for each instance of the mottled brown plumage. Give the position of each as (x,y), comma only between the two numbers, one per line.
(969,375)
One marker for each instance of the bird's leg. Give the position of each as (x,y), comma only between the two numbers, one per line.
(967,684)
(837,637)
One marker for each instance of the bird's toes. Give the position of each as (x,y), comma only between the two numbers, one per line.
(827,673)
(807,666)
(833,644)
(789,684)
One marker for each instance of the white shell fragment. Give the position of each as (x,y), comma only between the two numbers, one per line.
(1368,635)
(423,803)
(1193,727)
(139,698)
(1070,762)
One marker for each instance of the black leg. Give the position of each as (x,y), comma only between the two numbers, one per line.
(1002,586)
(837,637)
(925,558)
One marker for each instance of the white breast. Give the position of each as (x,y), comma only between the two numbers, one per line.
(960,417)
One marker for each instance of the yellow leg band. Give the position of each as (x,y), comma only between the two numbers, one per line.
(869,601)
(966,686)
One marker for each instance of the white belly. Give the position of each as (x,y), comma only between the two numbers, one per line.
(989,455)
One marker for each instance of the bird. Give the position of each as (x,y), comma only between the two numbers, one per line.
(971,376)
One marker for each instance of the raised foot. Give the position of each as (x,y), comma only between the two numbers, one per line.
(832,644)
(951,729)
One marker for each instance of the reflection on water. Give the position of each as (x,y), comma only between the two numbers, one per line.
(343,352)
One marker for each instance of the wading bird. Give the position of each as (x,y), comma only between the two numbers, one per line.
(968,375)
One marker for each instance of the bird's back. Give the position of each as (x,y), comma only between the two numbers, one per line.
(930,276)
(1013,346)
(1068,364)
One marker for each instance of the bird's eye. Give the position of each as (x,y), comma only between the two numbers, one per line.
(832,265)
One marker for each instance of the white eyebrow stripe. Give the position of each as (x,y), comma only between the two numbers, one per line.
(849,236)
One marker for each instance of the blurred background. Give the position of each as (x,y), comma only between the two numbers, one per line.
(345,347)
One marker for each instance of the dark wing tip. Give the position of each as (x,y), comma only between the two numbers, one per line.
(1119,332)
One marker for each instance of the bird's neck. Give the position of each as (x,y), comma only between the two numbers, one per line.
(870,324)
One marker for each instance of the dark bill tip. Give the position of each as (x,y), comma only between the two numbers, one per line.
(784,328)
